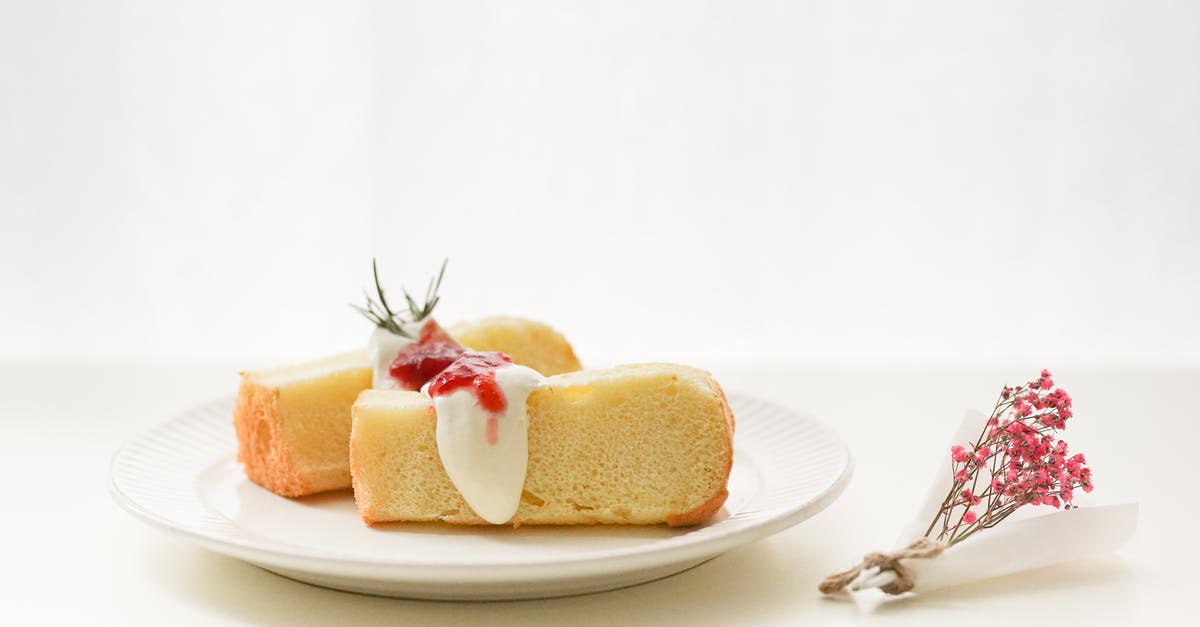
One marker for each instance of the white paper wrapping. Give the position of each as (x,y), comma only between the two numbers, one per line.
(1032,537)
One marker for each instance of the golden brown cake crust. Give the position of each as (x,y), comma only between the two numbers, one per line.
(256,419)
(528,342)
(706,510)
(710,507)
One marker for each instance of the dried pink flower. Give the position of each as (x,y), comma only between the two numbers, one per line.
(1017,460)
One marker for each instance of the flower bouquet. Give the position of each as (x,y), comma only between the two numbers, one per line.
(1013,462)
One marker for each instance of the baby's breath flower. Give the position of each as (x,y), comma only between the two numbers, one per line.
(1018,460)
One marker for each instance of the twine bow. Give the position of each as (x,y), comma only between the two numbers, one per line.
(921,548)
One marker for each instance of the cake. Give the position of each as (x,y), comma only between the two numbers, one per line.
(636,444)
(293,422)
(527,342)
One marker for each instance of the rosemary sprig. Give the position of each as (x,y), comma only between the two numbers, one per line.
(381,314)
(431,296)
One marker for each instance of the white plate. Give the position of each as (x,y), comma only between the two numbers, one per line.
(182,477)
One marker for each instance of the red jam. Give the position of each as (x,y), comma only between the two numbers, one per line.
(431,332)
(417,363)
(476,372)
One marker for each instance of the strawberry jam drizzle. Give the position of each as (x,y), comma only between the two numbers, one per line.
(476,372)
(431,332)
(419,362)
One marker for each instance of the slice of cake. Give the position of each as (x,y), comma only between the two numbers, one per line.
(293,422)
(639,444)
(527,342)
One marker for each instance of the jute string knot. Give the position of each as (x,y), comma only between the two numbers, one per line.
(921,548)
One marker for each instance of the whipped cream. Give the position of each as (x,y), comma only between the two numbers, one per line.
(486,453)
(382,348)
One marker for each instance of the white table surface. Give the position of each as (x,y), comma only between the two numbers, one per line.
(70,556)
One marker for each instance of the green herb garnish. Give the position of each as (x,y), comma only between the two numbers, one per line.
(381,314)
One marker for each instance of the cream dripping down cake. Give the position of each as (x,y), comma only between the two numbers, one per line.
(293,422)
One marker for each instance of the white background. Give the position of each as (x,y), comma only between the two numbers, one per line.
(733,182)
(933,199)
